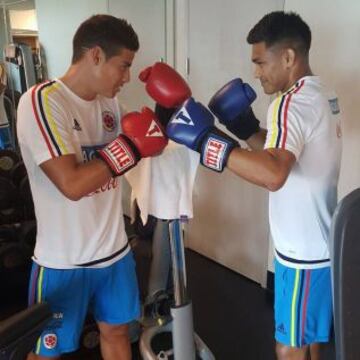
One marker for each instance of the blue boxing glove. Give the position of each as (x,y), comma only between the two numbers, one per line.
(193,126)
(231,105)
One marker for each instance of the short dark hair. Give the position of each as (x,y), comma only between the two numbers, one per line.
(110,33)
(280,27)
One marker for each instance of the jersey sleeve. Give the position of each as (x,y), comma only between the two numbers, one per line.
(286,121)
(43,124)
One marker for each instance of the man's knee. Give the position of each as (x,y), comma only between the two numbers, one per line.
(284,352)
(113,332)
(32,356)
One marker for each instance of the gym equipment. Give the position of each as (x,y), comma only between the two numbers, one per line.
(90,336)
(5,129)
(27,236)
(16,202)
(19,333)
(10,102)
(345,255)
(5,136)
(18,172)
(10,206)
(16,245)
(159,294)
(20,237)
(8,193)
(12,255)
(20,66)
(186,345)
(8,159)
(26,197)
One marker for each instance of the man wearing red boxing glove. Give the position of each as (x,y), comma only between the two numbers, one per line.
(75,142)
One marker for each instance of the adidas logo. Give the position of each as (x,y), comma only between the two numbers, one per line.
(154,130)
(77,126)
(281,329)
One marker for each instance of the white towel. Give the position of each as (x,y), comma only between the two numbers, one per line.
(163,185)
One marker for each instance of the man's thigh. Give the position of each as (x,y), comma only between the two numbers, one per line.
(67,293)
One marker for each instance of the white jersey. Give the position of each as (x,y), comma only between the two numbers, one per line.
(305,121)
(52,122)
(163,185)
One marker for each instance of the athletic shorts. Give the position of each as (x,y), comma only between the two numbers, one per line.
(303,305)
(111,294)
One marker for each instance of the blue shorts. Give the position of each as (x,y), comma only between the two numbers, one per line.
(110,293)
(303,305)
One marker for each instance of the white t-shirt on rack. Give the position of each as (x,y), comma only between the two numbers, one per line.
(163,185)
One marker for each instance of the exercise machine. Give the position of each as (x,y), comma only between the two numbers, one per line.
(345,260)
(19,333)
(186,344)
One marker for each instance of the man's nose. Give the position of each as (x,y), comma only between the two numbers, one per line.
(257,72)
(126,76)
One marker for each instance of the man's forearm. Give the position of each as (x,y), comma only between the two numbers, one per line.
(266,168)
(74,179)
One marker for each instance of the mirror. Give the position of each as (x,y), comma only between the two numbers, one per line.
(20,62)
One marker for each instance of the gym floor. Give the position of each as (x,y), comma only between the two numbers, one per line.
(233,315)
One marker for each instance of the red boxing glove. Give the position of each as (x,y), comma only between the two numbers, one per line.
(142,136)
(145,131)
(165,85)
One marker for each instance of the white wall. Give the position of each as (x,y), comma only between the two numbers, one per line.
(57,22)
(335,56)
(151,33)
(230,222)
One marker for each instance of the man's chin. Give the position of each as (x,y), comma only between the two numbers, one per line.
(111,94)
(269,91)
(116,91)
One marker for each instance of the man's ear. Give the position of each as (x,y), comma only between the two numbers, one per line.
(289,57)
(96,55)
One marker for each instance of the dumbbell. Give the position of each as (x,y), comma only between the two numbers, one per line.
(8,159)
(13,254)
(8,193)
(90,337)
(10,206)
(27,236)
(26,197)
(18,172)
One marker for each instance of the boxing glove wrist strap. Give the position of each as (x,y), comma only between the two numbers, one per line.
(120,155)
(215,149)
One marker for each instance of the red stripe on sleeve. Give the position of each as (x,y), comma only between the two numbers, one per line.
(305,302)
(33,94)
(286,112)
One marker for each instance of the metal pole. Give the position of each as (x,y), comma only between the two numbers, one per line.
(178,260)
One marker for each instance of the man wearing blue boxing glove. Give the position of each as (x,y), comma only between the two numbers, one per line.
(297,158)
(193,125)
(231,105)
